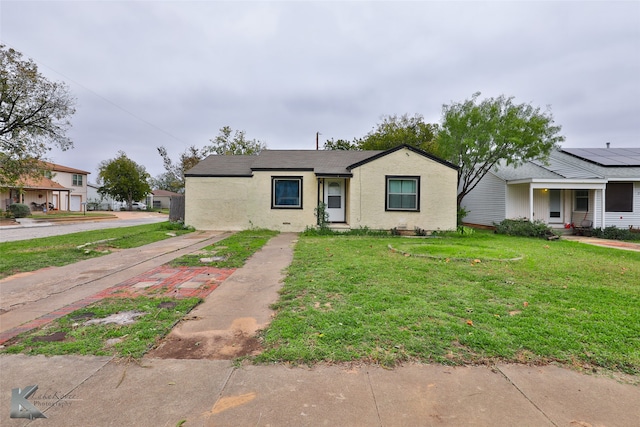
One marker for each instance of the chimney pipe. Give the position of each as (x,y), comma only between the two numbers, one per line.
(608,144)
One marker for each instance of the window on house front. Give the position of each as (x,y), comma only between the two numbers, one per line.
(77,180)
(582,200)
(619,197)
(403,193)
(286,192)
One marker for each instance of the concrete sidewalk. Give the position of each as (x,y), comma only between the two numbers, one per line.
(29,296)
(101,391)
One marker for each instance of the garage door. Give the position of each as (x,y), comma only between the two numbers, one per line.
(75,203)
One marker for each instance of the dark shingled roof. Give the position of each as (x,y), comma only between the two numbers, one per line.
(223,166)
(325,162)
(322,162)
(607,156)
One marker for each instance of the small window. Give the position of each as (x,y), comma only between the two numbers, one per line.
(77,180)
(286,192)
(582,200)
(403,193)
(619,197)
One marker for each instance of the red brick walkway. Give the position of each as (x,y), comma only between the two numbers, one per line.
(163,281)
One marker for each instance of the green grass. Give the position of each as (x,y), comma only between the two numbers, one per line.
(351,298)
(31,255)
(233,251)
(133,340)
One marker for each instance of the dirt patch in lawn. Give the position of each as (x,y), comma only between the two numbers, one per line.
(214,346)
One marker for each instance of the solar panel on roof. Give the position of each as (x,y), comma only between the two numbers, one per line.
(607,156)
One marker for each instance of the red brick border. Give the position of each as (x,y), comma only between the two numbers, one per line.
(165,282)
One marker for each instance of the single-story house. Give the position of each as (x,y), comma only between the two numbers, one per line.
(98,202)
(598,185)
(401,188)
(60,187)
(161,199)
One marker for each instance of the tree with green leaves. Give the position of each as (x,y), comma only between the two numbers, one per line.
(396,130)
(34,117)
(228,142)
(123,179)
(393,131)
(478,135)
(173,177)
(342,144)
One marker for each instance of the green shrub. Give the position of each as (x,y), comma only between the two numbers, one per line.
(175,225)
(615,233)
(461,214)
(360,231)
(523,227)
(19,210)
(419,231)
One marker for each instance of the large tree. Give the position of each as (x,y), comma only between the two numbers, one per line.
(478,135)
(393,131)
(173,177)
(34,117)
(228,142)
(342,144)
(396,130)
(123,179)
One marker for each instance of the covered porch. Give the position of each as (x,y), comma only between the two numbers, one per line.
(41,195)
(562,204)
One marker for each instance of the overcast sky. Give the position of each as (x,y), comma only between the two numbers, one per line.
(172,73)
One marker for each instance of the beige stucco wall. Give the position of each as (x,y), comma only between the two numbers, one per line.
(241,203)
(437,193)
(217,203)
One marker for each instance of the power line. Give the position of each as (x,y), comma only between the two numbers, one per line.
(148,123)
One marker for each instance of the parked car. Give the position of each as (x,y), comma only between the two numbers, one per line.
(139,206)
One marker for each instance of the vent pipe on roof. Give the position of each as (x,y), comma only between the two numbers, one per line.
(608,144)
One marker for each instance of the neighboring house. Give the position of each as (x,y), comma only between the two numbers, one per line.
(161,199)
(598,185)
(62,187)
(97,201)
(400,188)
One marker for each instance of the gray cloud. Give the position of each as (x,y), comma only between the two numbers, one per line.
(173,73)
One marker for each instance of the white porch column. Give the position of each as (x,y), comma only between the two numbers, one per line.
(531,203)
(603,208)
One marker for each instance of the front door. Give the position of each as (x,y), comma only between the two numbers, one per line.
(555,206)
(334,199)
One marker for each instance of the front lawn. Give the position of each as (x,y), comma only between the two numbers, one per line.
(459,299)
(232,252)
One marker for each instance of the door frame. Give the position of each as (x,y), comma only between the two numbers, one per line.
(336,215)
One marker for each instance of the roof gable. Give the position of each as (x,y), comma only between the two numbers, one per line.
(321,162)
(400,147)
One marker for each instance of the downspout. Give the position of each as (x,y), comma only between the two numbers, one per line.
(319,200)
